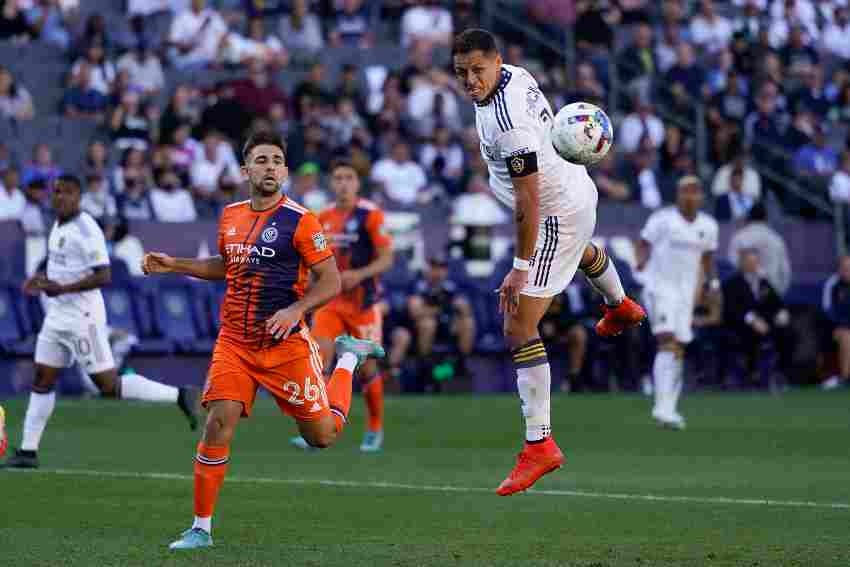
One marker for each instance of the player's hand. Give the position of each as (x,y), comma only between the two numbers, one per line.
(509,290)
(157,263)
(51,288)
(33,285)
(760,326)
(350,279)
(280,324)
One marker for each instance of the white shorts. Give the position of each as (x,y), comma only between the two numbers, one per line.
(670,312)
(561,241)
(87,346)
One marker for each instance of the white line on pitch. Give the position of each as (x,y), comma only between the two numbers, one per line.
(462,489)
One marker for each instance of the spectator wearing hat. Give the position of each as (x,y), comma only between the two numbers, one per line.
(306,189)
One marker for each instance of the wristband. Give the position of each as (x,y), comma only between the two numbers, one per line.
(521,265)
(714,284)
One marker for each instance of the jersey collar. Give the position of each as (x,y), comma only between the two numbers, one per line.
(503,82)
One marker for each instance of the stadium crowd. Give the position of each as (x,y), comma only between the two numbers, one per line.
(769,78)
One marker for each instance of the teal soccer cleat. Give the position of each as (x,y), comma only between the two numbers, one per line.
(361,348)
(193,538)
(301,443)
(373,441)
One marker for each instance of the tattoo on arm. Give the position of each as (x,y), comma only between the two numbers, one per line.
(519,215)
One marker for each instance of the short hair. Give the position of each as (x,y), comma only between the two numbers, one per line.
(474,39)
(263,138)
(343,162)
(758,213)
(72,179)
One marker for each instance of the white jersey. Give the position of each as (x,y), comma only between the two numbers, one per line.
(74,249)
(677,249)
(515,121)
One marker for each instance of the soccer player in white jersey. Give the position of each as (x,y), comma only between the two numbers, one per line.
(74,328)
(555,212)
(676,252)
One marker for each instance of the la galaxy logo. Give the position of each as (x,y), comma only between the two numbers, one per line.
(270,235)
(517,164)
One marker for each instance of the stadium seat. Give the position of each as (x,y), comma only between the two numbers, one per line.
(175,316)
(14,337)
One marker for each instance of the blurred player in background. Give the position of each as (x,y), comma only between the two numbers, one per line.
(555,212)
(268,248)
(363,250)
(74,328)
(676,252)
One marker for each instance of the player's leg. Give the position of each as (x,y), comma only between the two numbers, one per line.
(369,325)
(425,320)
(666,319)
(621,312)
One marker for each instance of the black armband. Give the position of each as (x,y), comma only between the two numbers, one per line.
(521,165)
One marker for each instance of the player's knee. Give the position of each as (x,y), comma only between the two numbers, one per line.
(217,431)
(517,334)
(426,324)
(321,439)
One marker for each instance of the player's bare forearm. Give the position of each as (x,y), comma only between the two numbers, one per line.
(527,214)
(212,268)
(708,270)
(379,265)
(326,285)
(101,277)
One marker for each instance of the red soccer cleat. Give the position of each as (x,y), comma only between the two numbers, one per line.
(534,461)
(626,315)
(4,441)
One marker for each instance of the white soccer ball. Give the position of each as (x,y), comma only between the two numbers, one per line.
(582,133)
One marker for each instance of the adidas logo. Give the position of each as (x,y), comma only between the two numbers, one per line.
(316,407)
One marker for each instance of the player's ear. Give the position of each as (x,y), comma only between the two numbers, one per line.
(244,170)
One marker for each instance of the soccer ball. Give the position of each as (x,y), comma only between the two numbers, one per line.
(582,133)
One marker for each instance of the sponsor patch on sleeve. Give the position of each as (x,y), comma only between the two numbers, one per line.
(319,241)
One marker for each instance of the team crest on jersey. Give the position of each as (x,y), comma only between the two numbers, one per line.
(270,235)
(319,242)
(61,241)
(517,164)
(351,226)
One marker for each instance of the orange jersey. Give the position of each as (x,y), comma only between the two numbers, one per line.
(355,237)
(267,256)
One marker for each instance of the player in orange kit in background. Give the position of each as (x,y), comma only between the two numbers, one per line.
(268,248)
(363,250)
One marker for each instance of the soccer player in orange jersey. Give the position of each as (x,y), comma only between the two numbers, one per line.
(363,251)
(268,247)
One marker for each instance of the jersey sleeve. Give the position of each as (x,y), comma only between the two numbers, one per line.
(377,230)
(712,235)
(94,249)
(518,147)
(653,229)
(310,240)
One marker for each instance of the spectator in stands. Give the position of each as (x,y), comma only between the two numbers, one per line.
(301,29)
(306,189)
(731,103)
(816,159)
(671,35)
(311,88)
(99,203)
(840,109)
(35,218)
(836,306)
(644,178)
(641,127)
(131,126)
(184,149)
(195,36)
(12,199)
(637,61)
(13,24)
(797,56)
(258,93)
(48,23)
(427,20)
(144,69)
(15,100)
(562,329)
(811,95)
(764,126)
(81,100)
(438,312)
(170,202)
(350,27)
(587,87)
(432,103)
(134,202)
(97,159)
(216,164)
(308,144)
(442,158)
(224,113)
(594,28)
(734,204)
(128,248)
(343,123)
(236,49)
(41,167)
(755,314)
(349,86)
(758,235)
(836,35)
(464,15)
(751,182)
(94,31)
(839,185)
(685,80)
(399,178)
(184,106)
(132,165)
(476,206)
(102,71)
(609,181)
(709,30)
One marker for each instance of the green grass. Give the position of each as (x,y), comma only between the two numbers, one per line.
(789,448)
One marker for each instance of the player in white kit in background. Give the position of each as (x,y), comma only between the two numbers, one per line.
(555,213)
(74,328)
(676,256)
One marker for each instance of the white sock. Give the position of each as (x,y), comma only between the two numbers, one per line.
(348,361)
(137,387)
(39,410)
(605,279)
(678,372)
(663,376)
(534,382)
(203,523)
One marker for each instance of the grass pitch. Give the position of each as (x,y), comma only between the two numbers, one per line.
(755,481)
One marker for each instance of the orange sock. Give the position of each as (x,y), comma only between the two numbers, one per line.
(339,395)
(373,393)
(210,468)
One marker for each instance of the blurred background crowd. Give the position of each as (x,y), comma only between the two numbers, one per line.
(149,100)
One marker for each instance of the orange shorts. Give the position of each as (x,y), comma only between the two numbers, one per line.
(291,372)
(329,322)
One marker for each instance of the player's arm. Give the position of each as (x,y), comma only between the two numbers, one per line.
(325,286)
(383,260)
(212,268)
(643,252)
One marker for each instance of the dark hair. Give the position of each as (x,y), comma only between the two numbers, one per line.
(262,138)
(758,212)
(474,39)
(72,179)
(342,162)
